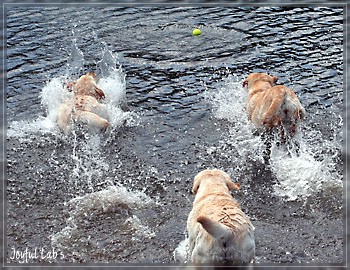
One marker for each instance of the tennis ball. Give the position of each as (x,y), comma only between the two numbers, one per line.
(196,32)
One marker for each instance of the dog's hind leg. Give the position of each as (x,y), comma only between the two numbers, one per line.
(93,120)
(64,118)
(271,118)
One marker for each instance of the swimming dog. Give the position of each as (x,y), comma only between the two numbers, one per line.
(272,106)
(218,230)
(85,107)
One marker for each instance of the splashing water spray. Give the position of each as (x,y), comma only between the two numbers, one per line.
(313,169)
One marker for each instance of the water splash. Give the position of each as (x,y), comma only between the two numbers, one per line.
(112,82)
(24,130)
(141,229)
(314,168)
(180,254)
(112,199)
(52,96)
(108,200)
(86,163)
(239,144)
(89,164)
(75,61)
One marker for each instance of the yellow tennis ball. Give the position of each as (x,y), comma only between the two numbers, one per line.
(196,32)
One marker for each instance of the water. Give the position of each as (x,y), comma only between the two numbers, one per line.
(303,172)
(177,107)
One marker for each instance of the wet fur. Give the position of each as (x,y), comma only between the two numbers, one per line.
(85,107)
(218,231)
(271,106)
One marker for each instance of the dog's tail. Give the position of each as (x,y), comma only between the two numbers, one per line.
(215,229)
(244,240)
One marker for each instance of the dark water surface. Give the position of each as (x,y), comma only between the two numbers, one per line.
(184,102)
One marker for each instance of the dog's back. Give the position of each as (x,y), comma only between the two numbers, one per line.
(218,230)
(227,236)
(85,106)
(84,109)
(86,85)
(284,108)
(270,105)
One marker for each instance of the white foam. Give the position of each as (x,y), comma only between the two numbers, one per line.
(71,231)
(141,230)
(89,164)
(106,200)
(229,104)
(302,174)
(180,254)
(297,175)
(21,129)
(54,94)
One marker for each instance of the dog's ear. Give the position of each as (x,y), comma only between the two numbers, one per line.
(274,79)
(196,183)
(195,186)
(230,184)
(69,86)
(233,186)
(92,74)
(100,93)
(245,83)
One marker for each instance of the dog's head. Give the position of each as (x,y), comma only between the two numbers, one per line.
(92,75)
(254,77)
(89,78)
(86,85)
(218,177)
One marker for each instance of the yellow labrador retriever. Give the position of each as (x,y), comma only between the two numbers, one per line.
(270,106)
(85,107)
(218,231)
